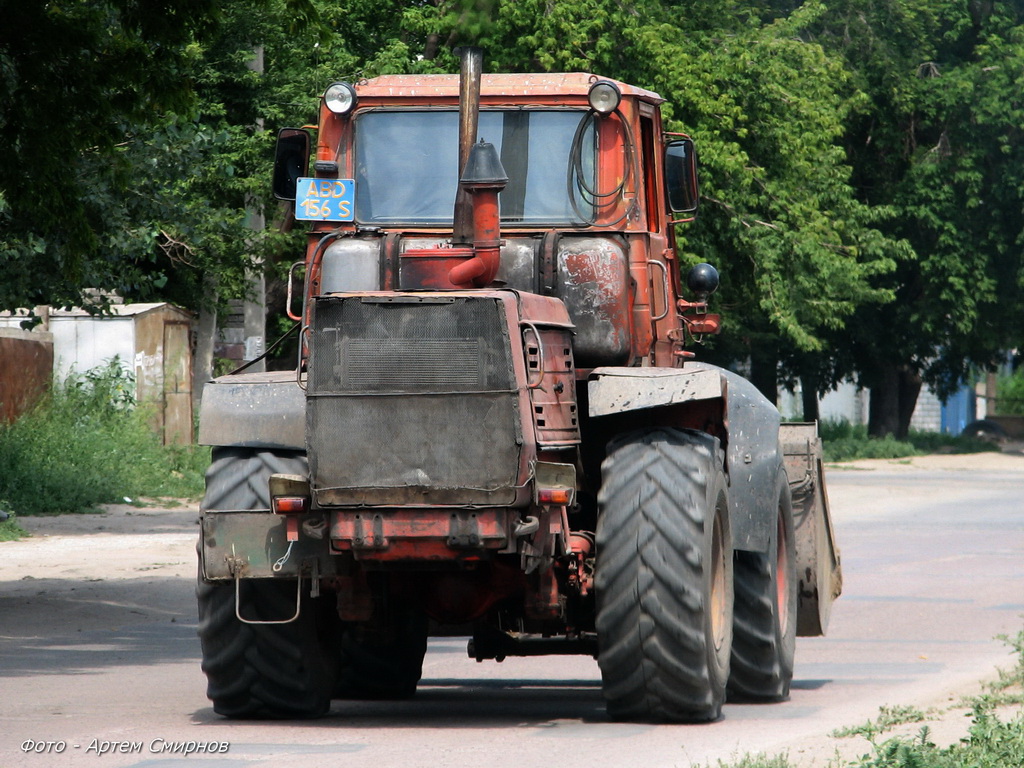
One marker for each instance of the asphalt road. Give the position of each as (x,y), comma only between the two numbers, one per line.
(98,650)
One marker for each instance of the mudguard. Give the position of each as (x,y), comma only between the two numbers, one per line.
(258,410)
(753,455)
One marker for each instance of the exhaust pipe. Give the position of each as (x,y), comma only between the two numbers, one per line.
(481,177)
(471,59)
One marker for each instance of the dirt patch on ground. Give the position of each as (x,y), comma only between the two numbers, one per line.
(1009,460)
(123,542)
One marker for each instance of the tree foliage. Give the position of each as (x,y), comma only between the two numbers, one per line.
(936,137)
(81,84)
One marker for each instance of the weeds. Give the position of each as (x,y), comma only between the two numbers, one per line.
(87,443)
(759,761)
(9,528)
(991,742)
(888,718)
(1008,688)
(1010,397)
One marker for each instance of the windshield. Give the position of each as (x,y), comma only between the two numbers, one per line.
(407,161)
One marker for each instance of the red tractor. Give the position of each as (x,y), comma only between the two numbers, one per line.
(495,427)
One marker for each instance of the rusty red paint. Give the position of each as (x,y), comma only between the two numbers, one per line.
(703,323)
(380,533)
(481,270)
(637,216)
(457,598)
(559,87)
(431,267)
(26,367)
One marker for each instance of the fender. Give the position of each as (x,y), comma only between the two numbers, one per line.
(751,425)
(258,410)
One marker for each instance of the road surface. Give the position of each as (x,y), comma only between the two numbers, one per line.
(98,651)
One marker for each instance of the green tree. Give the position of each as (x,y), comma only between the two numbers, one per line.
(848,152)
(78,80)
(797,250)
(936,138)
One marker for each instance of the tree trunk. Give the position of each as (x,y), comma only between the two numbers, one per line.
(910,388)
(893,399)
(255,308)
(764,370)
(883,407)
(206,334)
(809,395)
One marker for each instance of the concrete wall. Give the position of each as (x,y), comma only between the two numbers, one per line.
(83,343)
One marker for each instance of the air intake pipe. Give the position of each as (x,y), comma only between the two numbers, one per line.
(483,178)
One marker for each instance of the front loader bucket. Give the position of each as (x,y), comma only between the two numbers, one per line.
(819,570)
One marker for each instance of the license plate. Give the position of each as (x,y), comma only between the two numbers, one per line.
(325,199)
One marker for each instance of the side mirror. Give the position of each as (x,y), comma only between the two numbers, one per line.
(291,161)
(681,176)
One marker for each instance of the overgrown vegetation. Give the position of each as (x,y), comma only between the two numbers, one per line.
(88,443)
(9,528)
(1010,397)
(848,442)
(759,761)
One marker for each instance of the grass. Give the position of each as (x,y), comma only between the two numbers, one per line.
(888,718)
(990,743)
(759,761)
(1008,689)
(87,443)
(843,441)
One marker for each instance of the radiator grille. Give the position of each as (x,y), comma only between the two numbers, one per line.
(436,345)
(412,401)
(394,365)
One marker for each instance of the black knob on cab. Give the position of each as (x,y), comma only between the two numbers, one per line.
(703,280)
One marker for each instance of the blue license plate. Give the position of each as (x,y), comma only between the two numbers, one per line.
(325,199)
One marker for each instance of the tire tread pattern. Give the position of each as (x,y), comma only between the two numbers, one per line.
(651,614)
(261,671)
(762,654)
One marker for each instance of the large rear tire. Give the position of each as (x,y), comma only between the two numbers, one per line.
(383,658)
(262,670)
(764,622)
(664,577)
(265,670)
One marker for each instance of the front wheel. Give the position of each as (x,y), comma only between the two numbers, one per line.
(764,626)
(664,577)
(262,670)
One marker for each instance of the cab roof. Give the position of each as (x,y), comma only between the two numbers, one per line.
(494,86)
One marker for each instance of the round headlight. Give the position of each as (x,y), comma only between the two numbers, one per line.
(604,97)
(340,98)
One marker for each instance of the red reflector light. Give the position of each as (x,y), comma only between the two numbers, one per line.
(289,505)
(559,496)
